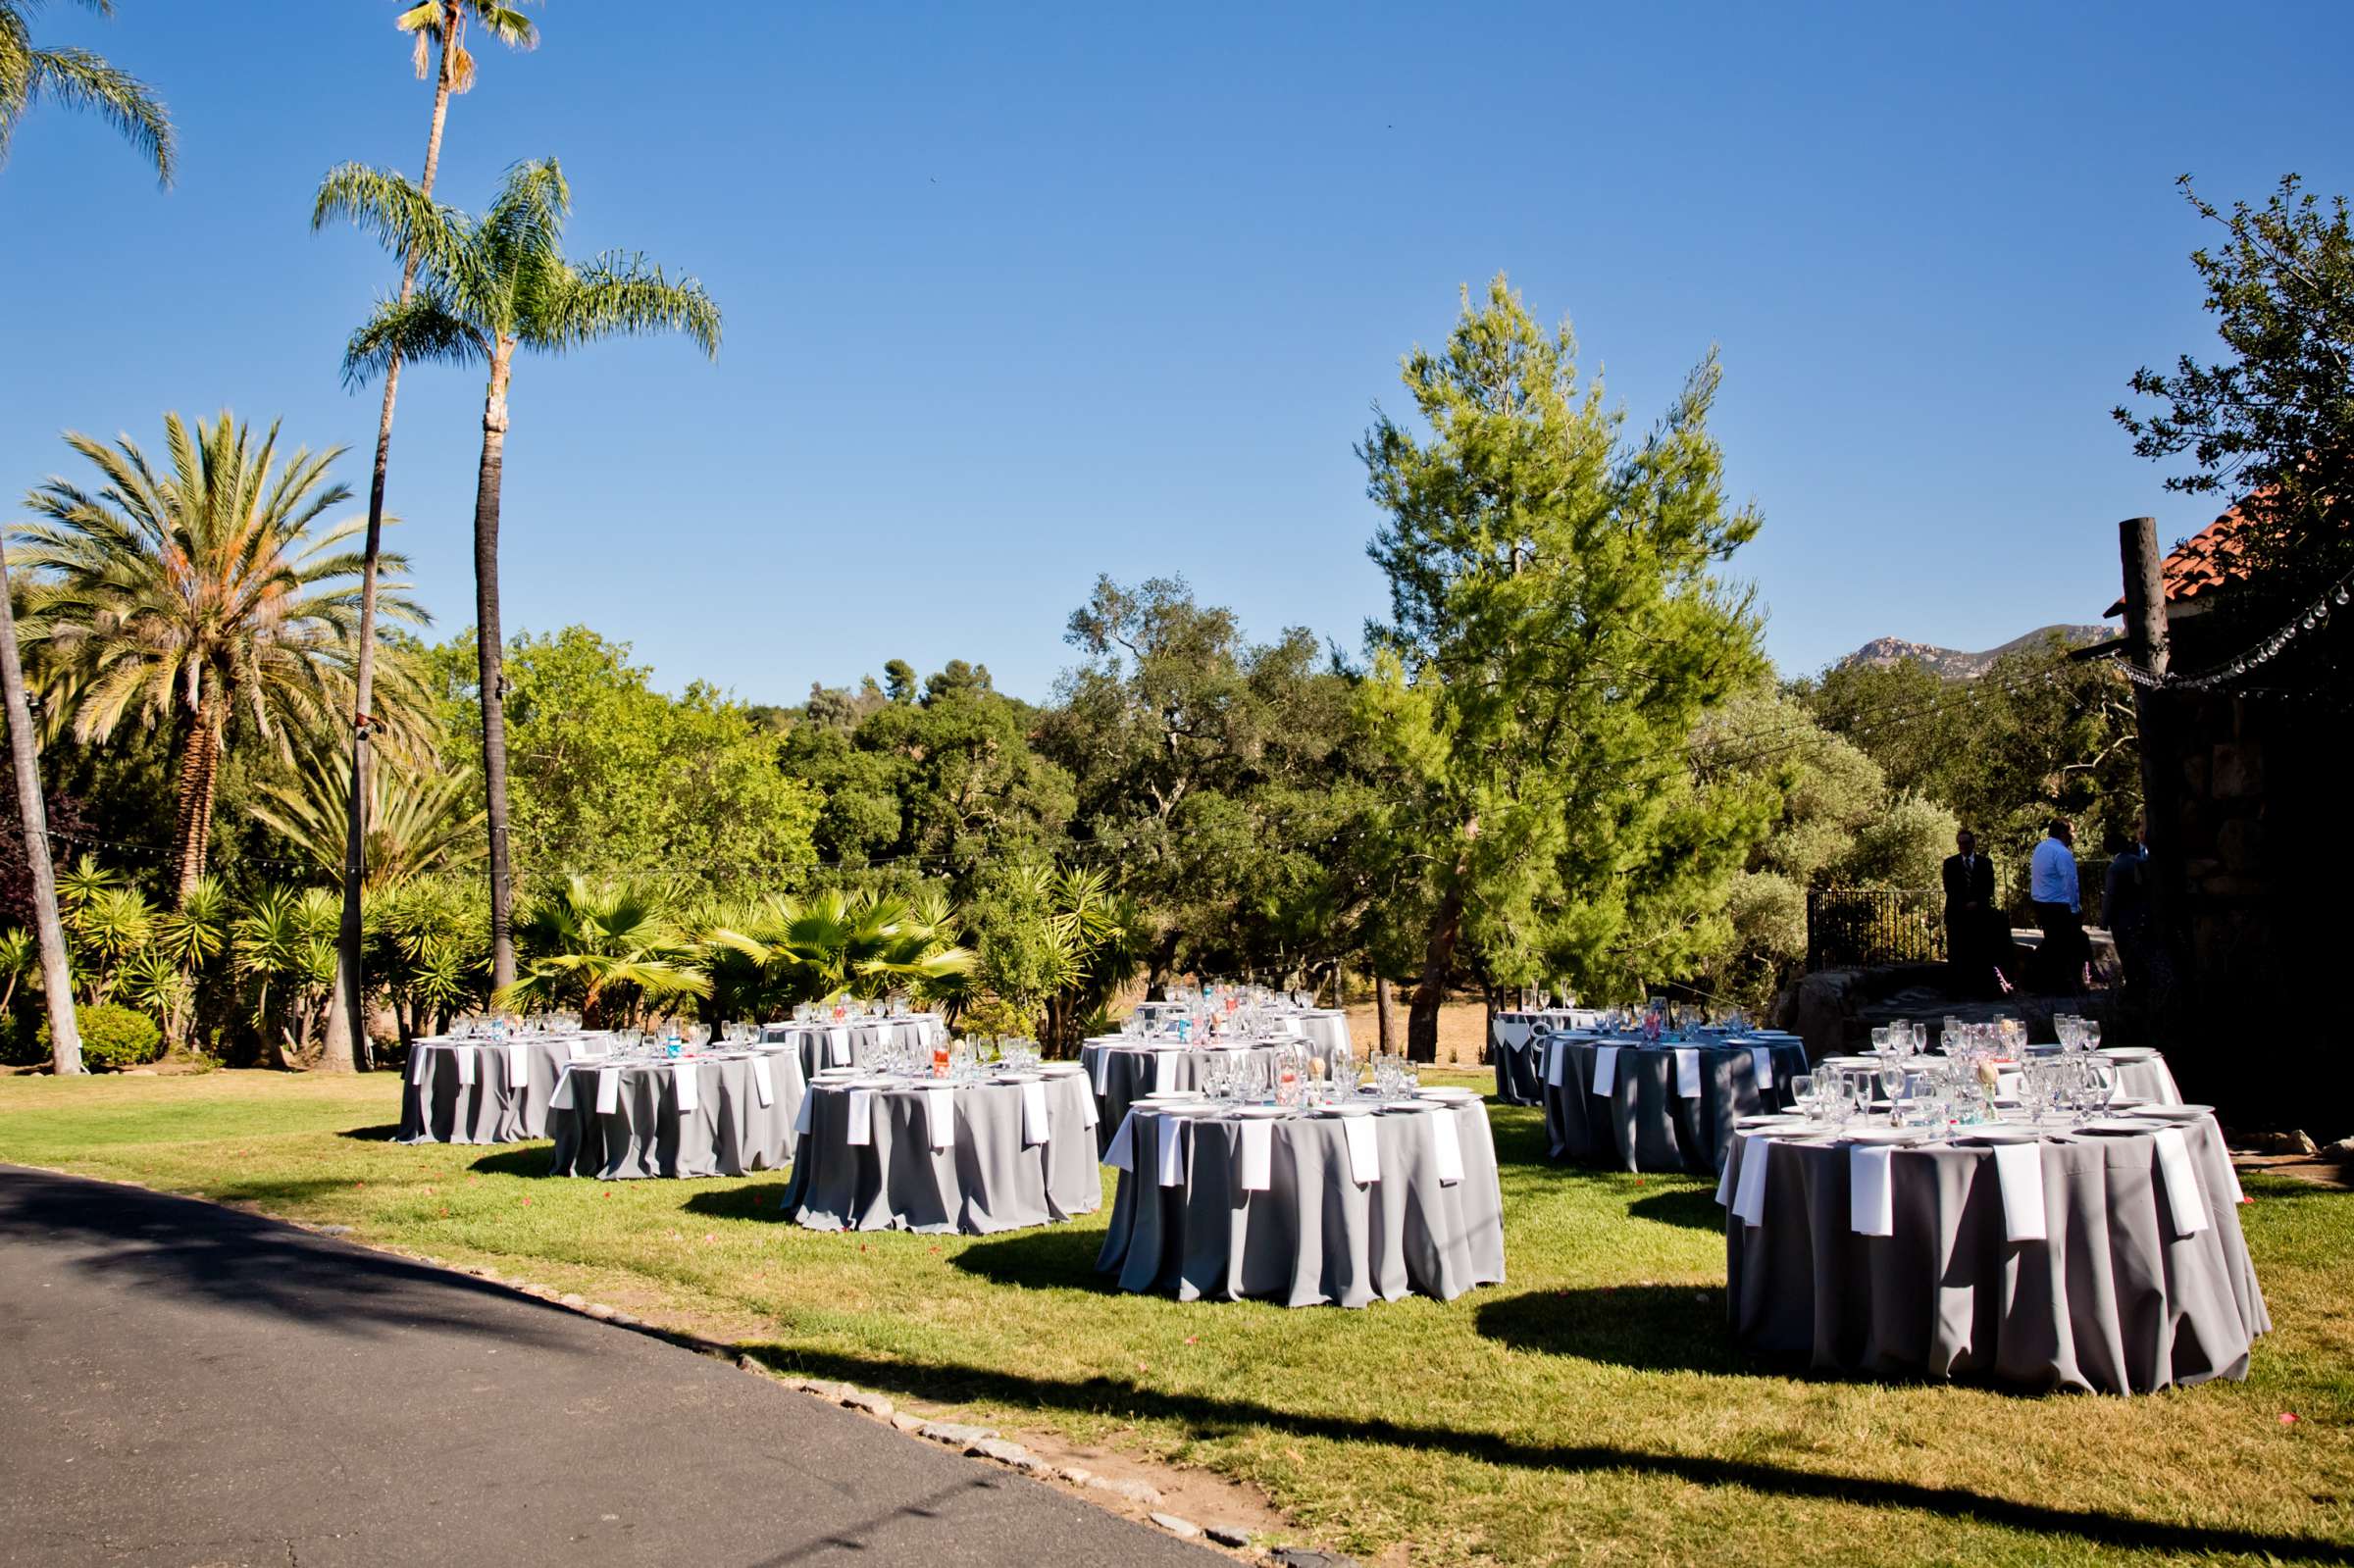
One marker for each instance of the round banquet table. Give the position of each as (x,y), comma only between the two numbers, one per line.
(1306,1208)
(1517,1044)
(716,1113)
(484,1090)
(2105,1258)
(2135,1073)
(935,1155)
(1123,1068)
(1666,1108)
(851,1043)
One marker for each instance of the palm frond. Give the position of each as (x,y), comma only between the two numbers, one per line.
(397,211)
(625,296)
(427,328)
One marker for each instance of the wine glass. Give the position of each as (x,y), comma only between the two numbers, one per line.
(1806,1093)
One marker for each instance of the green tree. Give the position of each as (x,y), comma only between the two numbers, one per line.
(1557,630)
(193,594)
(494,285)
(76,78)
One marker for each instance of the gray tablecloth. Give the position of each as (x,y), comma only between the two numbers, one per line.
(647,1131)
(1122,1069)
(990,1177)
(2116,1299)
(1315,1235)
(1644,1122)
(849,1044)
(483,1091)
(1516,1045)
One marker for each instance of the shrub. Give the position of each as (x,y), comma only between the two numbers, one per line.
(112,1038)
(18,1046)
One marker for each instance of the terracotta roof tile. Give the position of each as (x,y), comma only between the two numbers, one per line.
(2204,562)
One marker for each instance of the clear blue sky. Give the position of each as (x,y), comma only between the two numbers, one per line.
(1015,296)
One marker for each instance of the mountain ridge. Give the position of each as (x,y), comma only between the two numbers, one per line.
(1956,665)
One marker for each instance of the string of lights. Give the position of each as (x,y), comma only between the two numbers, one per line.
(2231,674)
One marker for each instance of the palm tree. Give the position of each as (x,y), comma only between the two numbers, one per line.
(490,285)
(77,79)
(419,820)
(439,28)
(196,593)
(836,942)
(590,939)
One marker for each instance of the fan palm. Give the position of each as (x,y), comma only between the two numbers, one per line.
(439,28)
(195,593)
(590,939)
(419,820)
(863,945)
(77,79)
(494,285)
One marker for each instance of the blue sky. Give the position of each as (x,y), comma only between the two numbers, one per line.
(1015,296)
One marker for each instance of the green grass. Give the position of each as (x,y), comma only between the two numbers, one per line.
(1589,1410)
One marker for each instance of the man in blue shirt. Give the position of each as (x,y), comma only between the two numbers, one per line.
(2059,911)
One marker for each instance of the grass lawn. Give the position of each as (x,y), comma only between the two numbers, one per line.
(1589,1410)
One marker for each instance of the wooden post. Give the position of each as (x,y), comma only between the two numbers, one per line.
(2161,772)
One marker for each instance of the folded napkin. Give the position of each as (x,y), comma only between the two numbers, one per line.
(764,1081)
(1087,1112)
(837,1048)
(1164,1071)
(1749,1192)
(940,1114)
(417,1063)
(1171,1131)
(608,1091)
(1120,1154)
(882,1034)
(801,1113)
(1293,1028)
(1447,1141)
(2019,1167)
(1871,1199)
(1687,1073)
(519,1067)
(1103,1067)
(1364,1150)
(2185,1198)
(1033,1114)
(1605,1069)
(1258,1154)
(1513,1034)
(1725,1177)
(463,1056)
(1556,1062)
(687,1079)
(576,1050)
(561,1099)
(862,1117)
(1761,1061)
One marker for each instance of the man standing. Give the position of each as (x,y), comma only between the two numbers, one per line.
(2125,906)
(2052,886)
(1968,908)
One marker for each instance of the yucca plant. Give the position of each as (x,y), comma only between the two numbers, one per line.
(105,930)
(427,943)
(20,958)
(284,945)
(186,940)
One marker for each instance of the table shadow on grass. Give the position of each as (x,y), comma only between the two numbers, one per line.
(1649,1328)
(1692,1207)
(382,1133)
(1207,1417)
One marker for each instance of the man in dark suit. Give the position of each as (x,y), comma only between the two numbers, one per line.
(1970,914)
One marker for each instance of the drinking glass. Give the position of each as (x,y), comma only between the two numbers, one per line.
(2091,1031)
(1806,1093)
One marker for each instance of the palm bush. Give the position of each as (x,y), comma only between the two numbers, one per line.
(285,946)
(833,944)
(419,818)
(607,948)
(426,944)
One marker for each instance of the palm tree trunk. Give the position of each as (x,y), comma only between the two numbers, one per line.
(199,781)
(56,985)
(346,1018)
(490,654)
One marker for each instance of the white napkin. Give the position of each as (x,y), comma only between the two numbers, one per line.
(940,1114)
(1293,1028)
(1364,1150)
(1511,1033)
(608,1091)
(519,1068)
(2183,1195)
(1258,1154)
(862,1117)
(800,1115)
(463,1055)
(417,1063)
(1120,1154)
(764,1081)
(837,1048)
(1687,1073)
(2019,1169)
(1447,1142)
(882,1034)
(1172,1150)
(687,1077)
(1556,1062)
(1871,1199)
(1102,1067)
(1033,1114)
(1087,1112)
(1761,1061)
(561,1099)
(1164,1071)
(1605,1069)
(1725,1177)
(576,1050)
(1749,1192)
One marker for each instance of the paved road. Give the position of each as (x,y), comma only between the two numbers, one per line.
(186,1385)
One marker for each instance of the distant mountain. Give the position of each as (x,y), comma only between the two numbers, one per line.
(1955,665)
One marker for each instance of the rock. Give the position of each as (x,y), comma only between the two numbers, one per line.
(830,1393)
(956,1433)
(1074,1474)
(1133,1490)
(874,1404)
(334,1229)
(1309,1558)
(1228,1535)
(905,1422)
(748,1364)
(575,1303)
(2342,1150)
(997,1448)
(2293,1141)
(1185,1529)
(597,1309)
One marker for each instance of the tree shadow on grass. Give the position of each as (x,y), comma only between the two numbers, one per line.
(1692,1207)
(1206,1417)
(1652,1328)
(1053,1257)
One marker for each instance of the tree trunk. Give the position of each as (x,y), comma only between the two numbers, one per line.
(1381,1015)
(57,984)
(1438,957)
(346,1018)
(198,783)
(490,654)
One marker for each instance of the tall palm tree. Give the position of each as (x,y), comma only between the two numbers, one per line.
(490,285)
(440,30)
(195,593)
(78,79)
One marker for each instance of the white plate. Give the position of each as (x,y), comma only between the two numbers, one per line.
(1060,1069)
(1449,1095)
(2176,1113)
(1260,1112)
(1996,1133)
(1347,1110)
(2119,1126)
(2129,1053)
(1408,1105)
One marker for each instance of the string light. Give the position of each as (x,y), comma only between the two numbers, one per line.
(2313,618)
